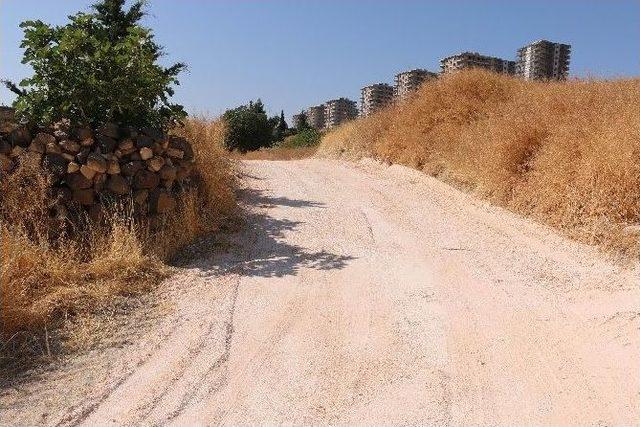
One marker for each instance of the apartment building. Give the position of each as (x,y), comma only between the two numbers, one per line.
(467,60)
(408,82)
(316,116)
(337,111)
(544,60)
(374,97)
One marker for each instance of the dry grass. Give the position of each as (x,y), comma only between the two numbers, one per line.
(211,202)
(48,276)
(567,154)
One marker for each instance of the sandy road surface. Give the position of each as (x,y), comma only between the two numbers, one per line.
(369,294)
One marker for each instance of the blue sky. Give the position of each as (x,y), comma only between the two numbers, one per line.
(293,54)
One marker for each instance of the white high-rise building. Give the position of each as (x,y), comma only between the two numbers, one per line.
(544,60)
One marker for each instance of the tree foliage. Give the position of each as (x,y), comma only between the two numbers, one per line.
(249,128)
(306,137)
(280,127)
(99,67)
(302,122)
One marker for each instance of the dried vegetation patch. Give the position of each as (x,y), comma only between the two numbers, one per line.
(48,278)
(564,153)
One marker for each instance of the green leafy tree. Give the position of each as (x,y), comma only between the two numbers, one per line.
(99,67)
(249,128)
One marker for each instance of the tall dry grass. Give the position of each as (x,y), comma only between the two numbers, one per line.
(565,153)
(210,203)
(48,276)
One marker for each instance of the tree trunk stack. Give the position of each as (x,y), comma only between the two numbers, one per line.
(90,167)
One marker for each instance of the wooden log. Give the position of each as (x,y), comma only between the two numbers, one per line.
(131,168)
(88,172)
(118,185)
(155,163)
(113,167)
(145,179)
(73,167)
(70,146)
(146,153)
(77,181)
(97,162)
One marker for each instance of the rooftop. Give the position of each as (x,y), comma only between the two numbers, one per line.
(377,85)
(472,54)
(544,41)
(420,70)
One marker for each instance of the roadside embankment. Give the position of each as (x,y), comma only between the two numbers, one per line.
(87,220)
(565,153)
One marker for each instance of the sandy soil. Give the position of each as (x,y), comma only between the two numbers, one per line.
(366,294)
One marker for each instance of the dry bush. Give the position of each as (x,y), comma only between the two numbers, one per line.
(48,275)
(44,283)
(566,153)
(211,202)
(355,139)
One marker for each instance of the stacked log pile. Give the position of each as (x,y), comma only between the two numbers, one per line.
(91,167)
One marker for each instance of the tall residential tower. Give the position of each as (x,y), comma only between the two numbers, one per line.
(374,97)
(316,117)
(338,111)
(465,60)
(408,82)
(544,60)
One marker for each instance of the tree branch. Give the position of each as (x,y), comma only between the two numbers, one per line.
(13,87)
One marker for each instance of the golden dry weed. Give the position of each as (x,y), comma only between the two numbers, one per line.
(564,153)
(48,276)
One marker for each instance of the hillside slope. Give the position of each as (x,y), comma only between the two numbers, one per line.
(567,154)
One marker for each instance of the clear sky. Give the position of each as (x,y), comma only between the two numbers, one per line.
(296,53)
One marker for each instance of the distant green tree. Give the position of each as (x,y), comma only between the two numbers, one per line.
(306,137)
(273,124)
(283,123)
(302,122)
(101,66)
(249,128)
(280,128)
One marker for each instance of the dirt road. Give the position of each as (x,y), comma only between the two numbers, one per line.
(367,294)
